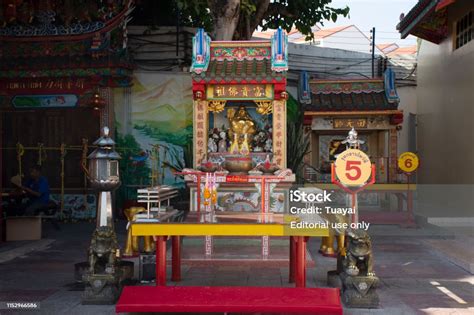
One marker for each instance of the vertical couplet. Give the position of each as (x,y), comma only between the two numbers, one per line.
(200,131)
(279,133)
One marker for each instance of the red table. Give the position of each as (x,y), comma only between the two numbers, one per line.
(224,224)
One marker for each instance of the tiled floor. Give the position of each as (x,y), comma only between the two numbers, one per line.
(414,278)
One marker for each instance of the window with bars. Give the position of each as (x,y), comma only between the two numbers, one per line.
(464,30)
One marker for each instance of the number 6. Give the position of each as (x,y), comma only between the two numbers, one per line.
(408,163)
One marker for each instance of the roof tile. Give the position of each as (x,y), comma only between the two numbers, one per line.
(239,70)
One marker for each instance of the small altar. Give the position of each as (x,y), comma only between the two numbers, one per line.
(239,130)
(245,193)
(239,90)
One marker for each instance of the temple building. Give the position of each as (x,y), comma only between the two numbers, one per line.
(370,106)
(444,106)
(332,107)
(60,64)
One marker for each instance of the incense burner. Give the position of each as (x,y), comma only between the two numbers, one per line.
(238,164)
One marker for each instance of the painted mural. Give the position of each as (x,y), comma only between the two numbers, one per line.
(158,140)
(44,101)
(77,206)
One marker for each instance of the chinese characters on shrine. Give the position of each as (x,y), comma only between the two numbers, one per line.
(279,133)
(240,91)
(348,123)
(200,136)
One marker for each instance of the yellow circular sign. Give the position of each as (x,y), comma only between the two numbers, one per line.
(353,167)
(408,162)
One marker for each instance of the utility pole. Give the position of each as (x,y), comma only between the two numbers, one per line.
(373,51)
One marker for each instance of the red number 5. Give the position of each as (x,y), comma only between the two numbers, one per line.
(353,166)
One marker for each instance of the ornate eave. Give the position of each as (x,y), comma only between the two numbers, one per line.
(93,49)
(346,86)
(359,96)
(245,71)
(426,20)
(48,29)
(239,62)
(252,73)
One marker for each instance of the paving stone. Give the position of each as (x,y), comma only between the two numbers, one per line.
(406,265)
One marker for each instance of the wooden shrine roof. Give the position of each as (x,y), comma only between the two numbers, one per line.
(239,71)
(239,62)
(360,95)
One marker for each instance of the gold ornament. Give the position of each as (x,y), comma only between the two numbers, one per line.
(216,106)
(327,245)
(207,193)
(148,244)
(242,127)
(264,107)
(131,245)
(245,147)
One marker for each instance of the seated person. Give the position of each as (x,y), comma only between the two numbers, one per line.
(36,189)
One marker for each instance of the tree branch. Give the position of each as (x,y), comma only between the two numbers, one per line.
(212,5)
(278,8)
(262,7)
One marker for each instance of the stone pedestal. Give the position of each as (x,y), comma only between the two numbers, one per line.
(101,289)
(333,279)
(127,267)
(359,291)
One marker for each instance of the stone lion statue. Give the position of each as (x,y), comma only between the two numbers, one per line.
(358,260)
(103,250)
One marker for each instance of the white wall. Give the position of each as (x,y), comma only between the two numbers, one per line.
(327,62)
(349,39)
(445,103)
(407,103)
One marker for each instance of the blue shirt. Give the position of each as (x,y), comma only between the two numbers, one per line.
(40,186)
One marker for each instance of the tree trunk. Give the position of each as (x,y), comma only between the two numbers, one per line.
(226,15)
(248,24)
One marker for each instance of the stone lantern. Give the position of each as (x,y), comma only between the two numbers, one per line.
(104,176)
(105,269)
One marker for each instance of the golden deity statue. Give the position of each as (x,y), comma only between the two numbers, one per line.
(242,128)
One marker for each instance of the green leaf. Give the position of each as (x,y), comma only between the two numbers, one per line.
(292,108)
(302,14)
(298,144)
